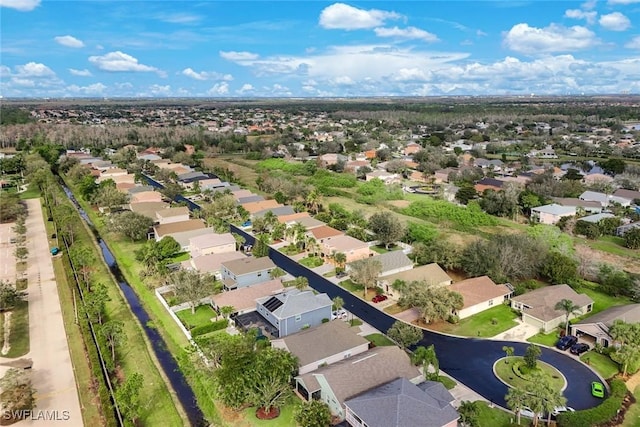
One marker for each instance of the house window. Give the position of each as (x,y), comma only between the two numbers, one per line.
(589,308)
(298,318)
(490,302)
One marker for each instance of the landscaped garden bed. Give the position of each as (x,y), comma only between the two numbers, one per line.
(514,372)
(311,261)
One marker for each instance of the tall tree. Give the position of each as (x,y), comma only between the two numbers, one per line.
(531,355)
(84,261)
(17,395)
(516,399)
(131,224)
(569,309)
(338,303)
(340,259)
(508,350)
(404,334)
(365,272)
(277,272)
(301,283)
(240,240)
(128,397)
(113,332)
(468,414)
(109,197)
(428,359)
(271,374)
(192,286)
(9,296)
(95,301)
(387,228)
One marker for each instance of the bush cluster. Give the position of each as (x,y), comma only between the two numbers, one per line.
(601,413)
(209,327)
(441,211)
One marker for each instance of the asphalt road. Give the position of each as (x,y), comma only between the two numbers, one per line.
(468,360)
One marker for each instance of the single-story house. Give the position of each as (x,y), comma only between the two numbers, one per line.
(246,272)
(146,197)
(401,403)
(249,199)
(110,174)
(308,222)
(183,237)
(323,232)
(336,383)
(238,194)
(161,230)
(330,159)
(171,215)
(596,328)
(243,300)
(148,209)
(353,248)
(442,175)
(210,183)
(595,218)
(479,294)
(323,345)
(605,199)
(211,263)
(277,211)
(393,262)
(384,176)
(596,178)
(432,274)
(587,206)
(411,148)
(140,189)
(623,229)
(551,214)
(292,218)
(623,193)
(294,310)
(212,244)
(488,184)
(254,207)
(538,307)
(192,176)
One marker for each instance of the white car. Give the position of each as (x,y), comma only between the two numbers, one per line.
(559,409)
(527,412)
(339,314)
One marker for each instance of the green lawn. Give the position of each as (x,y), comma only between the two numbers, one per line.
(355,322)
(493,417)
(31,193)
(383,250)
(203,315)
(350,286)
(601,301)
(612,245)
(486,324)
(182,256)
(285,419)
(393,309)
(549,339)
(505,371)
(632,417)
(601,363)
(19,334)
(379,340)
(311,261)
(447,382)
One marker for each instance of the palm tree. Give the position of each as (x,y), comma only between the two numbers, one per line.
(338,303)
(517,399)
(427,358)
(240,240)
(313,201)
(277,272)
(508,351)
(340,259)
(301,283)
(569,308)
(311,244)
(468,413)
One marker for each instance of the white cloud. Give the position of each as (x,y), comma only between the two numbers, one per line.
(21,5)
(160,90)
(342,81)
(340,16)
(120,62)
(94,89)
(411,74)
(614,2)
(406,33)
(634,43)
(589,4)
(615,21)
(80,73)
(33,69)
(589,16)
(179,18)
(246,88)
(554,38)
(206,75)
(219,89)
(69,41)
(238,56)
(5,71)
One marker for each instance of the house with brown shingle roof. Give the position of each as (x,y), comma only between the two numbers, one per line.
(323,232)
(353,248)
(291,218)
(479,294)
(243,300)
(254,207)
(338,382)
(323,345)
(170,215)
(212,244)
(162,230)
(147,209)
(538,306)
(431,274)
(146,197)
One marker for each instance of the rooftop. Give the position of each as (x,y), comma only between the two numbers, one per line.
(243,299)
(248,265)
(178,227)
(392,261)
(542,301)
(430,273)
(211,263)
(170,212)
(211,240)
(478,289)
(555,209)
(294,302)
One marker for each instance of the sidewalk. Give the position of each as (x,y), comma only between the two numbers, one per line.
(52,373)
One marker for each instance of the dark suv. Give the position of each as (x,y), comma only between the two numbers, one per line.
(566,342)
(579,348)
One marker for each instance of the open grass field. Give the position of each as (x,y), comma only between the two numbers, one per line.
(632,417)
(202,316)
(493,417)
(601,300)
(242,169)
(603,365)
(485,324)
(31,193)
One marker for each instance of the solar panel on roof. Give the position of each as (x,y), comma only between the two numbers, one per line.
(272,304)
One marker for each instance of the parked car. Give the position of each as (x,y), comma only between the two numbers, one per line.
(527,412)
(339,314)
(559,409)
(579,348)
(379,298)
(566,342)
(341,275)
(597,389)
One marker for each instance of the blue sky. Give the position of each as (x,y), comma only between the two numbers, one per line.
(316,48)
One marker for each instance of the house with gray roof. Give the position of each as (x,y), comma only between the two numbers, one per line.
(323,345)
(336,383)
(595,329)
(277,211)
(431,274)
(551,214)
(587,206)
(249,199)
(605,199)
(538,307)
(140,189)
(393,262)
(400,403)
(623,229)
(246,272)
(294,310)
(595,218)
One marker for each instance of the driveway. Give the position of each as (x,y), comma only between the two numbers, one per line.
(468,360)
(52,373)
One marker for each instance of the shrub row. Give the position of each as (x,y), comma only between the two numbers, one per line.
(209,327)
(601,413)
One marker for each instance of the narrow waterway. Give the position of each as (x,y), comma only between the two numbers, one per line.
(167,362)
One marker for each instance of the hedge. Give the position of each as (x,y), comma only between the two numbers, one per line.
(210,327)
(601,413)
